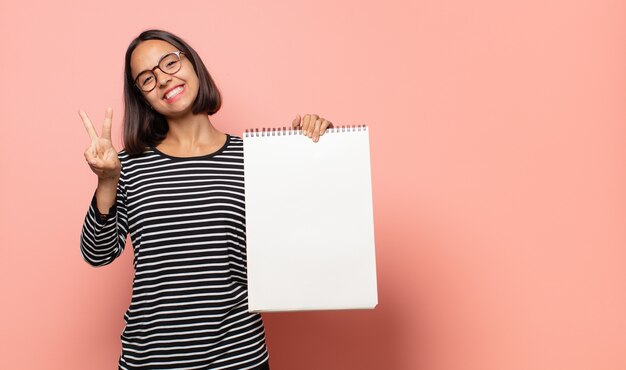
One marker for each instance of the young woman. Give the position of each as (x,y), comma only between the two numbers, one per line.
(177,188)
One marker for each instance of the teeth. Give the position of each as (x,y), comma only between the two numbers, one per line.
(174,92)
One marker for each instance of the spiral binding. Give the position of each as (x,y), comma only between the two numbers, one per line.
(285,131)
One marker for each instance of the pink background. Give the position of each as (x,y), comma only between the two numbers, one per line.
(498,158)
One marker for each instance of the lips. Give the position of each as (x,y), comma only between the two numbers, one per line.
(179,87)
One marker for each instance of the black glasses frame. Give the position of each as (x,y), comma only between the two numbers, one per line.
(178,54)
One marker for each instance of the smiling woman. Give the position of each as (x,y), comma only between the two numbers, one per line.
(177,189)
(151,52)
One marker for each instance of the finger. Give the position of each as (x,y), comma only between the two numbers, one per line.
(88,125)
(110,160)
(96,170)
(94,162)
(296,122)
(305,123)
(100,147)
(316,131)
(90,155)
(106,126)
(313,122)
(325,124)
(101,166)
(311,127)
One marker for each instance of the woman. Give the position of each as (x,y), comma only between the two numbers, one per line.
(177,188)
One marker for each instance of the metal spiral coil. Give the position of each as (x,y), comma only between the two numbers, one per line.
(284,131)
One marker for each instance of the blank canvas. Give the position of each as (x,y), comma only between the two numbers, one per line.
(309,221)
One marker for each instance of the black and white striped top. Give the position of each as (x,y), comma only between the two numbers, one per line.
(186,219)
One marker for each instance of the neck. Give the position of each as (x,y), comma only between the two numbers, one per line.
(191,131)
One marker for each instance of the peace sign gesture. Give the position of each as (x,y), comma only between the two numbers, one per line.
(101,156)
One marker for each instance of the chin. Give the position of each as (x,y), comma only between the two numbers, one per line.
(176,107)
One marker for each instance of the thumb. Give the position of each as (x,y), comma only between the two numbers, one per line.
(95,162)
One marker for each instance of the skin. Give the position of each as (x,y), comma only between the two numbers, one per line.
(189,134)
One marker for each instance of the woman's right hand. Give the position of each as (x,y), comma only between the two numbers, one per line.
(101,155)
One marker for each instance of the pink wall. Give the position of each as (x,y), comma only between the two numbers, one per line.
(497,135)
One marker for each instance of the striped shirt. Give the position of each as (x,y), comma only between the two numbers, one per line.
(186,219)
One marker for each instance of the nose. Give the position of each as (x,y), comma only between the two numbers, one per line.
(162,78)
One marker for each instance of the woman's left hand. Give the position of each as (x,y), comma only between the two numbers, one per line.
(311,125)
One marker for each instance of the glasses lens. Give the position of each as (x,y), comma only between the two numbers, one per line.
(170,63)
(146,81)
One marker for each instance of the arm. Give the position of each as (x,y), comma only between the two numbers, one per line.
(103,236)
(106,224)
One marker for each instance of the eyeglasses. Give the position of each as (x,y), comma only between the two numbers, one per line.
(170,63)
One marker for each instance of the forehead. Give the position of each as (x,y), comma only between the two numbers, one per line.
(147,54)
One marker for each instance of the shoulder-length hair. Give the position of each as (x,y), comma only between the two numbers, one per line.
(143,126)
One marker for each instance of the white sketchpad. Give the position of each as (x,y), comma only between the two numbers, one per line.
(309,221)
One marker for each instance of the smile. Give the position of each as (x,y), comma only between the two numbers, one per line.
(173,93)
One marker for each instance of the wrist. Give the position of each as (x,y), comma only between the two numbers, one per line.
(108,181)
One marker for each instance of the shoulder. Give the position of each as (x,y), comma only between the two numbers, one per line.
(233,147)
(125,157)
(234,142)
(235,139)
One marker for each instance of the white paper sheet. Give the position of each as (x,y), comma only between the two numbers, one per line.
(309,221)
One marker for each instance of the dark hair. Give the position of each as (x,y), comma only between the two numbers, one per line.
(144,126)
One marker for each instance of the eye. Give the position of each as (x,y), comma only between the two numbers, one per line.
(146,80)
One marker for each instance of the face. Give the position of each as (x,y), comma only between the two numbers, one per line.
(173,95)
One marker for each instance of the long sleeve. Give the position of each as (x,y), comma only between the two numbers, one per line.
(103,237)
